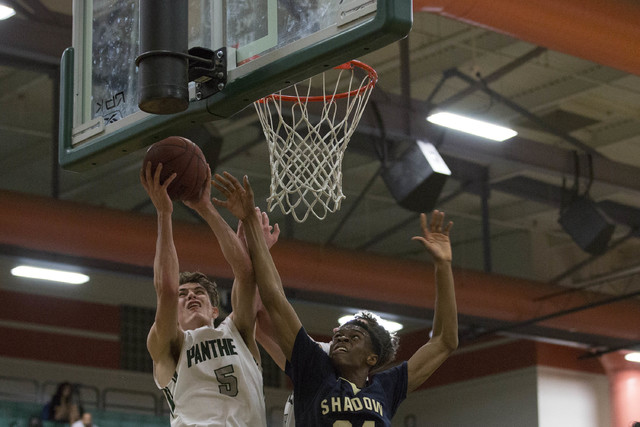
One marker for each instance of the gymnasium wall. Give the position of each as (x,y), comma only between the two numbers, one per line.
(533,396)
(500,381)
(528,397)
(51,329)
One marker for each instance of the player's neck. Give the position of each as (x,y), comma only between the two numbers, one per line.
(356,376)
(195,322)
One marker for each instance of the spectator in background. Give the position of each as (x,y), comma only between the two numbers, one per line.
(63,406)
(85,421)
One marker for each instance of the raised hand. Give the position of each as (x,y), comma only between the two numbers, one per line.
(435,236)
(200,204)
(270,233)
(239,197)
(157,192)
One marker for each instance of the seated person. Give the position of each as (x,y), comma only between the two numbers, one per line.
(61,406)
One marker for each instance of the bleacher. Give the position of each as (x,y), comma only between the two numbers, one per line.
(122,398)
(20,414)
(22,400)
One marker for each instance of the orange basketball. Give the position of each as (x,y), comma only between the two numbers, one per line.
(183,157)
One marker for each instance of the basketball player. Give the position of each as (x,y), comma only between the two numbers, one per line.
(211,376)
(265,336)
(338,388)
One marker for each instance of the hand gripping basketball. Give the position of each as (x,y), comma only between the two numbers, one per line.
(184,158)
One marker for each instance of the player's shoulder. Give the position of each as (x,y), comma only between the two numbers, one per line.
(325,346)
(227,326)
(227,322)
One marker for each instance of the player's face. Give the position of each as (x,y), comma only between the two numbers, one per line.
(194,306)
(351,347)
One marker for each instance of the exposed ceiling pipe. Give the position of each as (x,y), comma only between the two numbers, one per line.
(605,32)
(73,229)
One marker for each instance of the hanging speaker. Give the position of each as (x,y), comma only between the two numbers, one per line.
(416,179)
(586,225)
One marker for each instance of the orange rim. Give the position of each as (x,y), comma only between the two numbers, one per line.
(373,79)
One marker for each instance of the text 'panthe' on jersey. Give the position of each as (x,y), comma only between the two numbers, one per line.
(217,382)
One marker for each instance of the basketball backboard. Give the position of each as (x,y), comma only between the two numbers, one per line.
(268,45)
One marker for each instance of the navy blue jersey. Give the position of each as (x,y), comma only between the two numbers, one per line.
(322,398)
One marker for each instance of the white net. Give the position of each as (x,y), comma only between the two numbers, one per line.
(306,147)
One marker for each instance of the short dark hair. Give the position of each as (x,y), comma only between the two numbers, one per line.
(210,286)
(385,343)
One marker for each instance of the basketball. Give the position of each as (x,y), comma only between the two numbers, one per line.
(181,156)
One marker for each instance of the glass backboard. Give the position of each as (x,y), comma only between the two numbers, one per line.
(268,45)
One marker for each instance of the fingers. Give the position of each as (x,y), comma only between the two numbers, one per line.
(157,172)
(143,174)
(218,202)
(247,186)
(208,181)
(420,239)
(265,219)
(227,183)
(235,184)
(436,224)
(423,221)
(149,178)
(168,181)
(436,221)
(276,231)
(439,226)
(222,185)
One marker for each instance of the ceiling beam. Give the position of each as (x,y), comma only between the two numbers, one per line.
(549,159)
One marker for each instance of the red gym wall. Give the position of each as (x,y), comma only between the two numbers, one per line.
(59,330)
(80,333)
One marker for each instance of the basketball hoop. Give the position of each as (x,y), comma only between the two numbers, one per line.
(307,143)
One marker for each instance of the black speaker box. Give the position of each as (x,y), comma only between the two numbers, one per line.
(416,179)
(587,225)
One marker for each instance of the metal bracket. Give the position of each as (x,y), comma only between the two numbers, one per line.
(209,72)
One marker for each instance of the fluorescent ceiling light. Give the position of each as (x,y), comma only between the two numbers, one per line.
(389,325)
(632,357)
(6,12)
(50,274)
(472,126)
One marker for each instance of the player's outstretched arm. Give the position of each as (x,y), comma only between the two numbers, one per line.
(239,201)
(264,331)
(165,335)
(235,252)
(444,340)
(265,335)
(233,249)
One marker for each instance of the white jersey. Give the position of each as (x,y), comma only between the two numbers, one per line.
(289,419)
(217,381)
